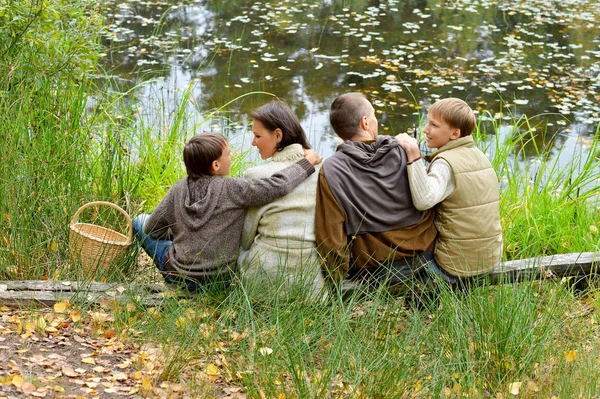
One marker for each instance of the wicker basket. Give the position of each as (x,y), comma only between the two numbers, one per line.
(96,246)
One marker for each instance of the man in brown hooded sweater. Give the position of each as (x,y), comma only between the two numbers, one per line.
(366,224)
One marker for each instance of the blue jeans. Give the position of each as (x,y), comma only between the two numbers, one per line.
(157,250)
(402,271)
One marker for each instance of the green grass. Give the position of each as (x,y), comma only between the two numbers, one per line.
(57,154)
(474,344)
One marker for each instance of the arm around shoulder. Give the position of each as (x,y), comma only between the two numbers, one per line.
(410,146)
(247,193)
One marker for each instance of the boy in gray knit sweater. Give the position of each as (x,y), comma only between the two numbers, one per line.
(193,235)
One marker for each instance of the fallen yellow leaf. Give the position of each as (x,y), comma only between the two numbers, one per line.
(17,381)
(515,387)
(75,316)
(88,360)
(60,307)
(181,322)
(570,356)
(29,327)
(146,384)
(265,351)
(212,370)
(53,246)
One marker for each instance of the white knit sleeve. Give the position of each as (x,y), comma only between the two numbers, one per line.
(430,188)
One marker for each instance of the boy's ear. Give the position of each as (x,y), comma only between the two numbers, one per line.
(455,134)
(214,167)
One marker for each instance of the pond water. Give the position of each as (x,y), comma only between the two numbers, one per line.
(505,58)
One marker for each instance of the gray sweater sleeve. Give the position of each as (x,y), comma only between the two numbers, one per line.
(246,193)
(162,218)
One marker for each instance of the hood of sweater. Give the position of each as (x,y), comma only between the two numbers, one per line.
(200,198)
(370,154)
(370,183)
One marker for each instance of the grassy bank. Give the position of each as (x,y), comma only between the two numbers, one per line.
(60,149)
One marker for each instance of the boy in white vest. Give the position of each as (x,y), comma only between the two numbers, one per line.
(462,185)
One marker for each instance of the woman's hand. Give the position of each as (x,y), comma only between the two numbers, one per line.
(312,156)
(410,145)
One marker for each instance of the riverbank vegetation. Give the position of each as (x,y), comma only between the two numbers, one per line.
(67,142)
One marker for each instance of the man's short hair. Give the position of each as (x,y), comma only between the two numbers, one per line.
(456,113)
(200,152)
(346,112)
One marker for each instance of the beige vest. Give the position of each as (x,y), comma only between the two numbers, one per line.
(469,238)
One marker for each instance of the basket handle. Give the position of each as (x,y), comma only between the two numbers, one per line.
(109,204)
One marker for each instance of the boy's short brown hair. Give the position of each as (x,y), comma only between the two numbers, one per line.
(456,113)
(200,151)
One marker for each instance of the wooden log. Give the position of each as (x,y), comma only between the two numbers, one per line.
(75,286)
(553,266)
(25,299)
(25,293)
(564,265)
(46,293)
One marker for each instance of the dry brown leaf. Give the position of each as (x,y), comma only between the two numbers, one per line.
(28,387)
(120,376)
(108,334)
(69,372)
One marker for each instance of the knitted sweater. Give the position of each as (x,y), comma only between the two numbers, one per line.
(278,239)
(430,187)
(205,217)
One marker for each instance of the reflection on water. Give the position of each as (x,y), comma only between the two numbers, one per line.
(505,58)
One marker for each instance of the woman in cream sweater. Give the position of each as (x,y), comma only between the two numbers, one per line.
(278,240)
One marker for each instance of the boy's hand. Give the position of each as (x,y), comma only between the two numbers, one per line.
(410,145)
(312,156)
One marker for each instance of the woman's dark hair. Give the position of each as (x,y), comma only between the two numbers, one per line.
(200,152)
(278,114)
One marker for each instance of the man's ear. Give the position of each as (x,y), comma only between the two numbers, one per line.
(364,123)
(278,135)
